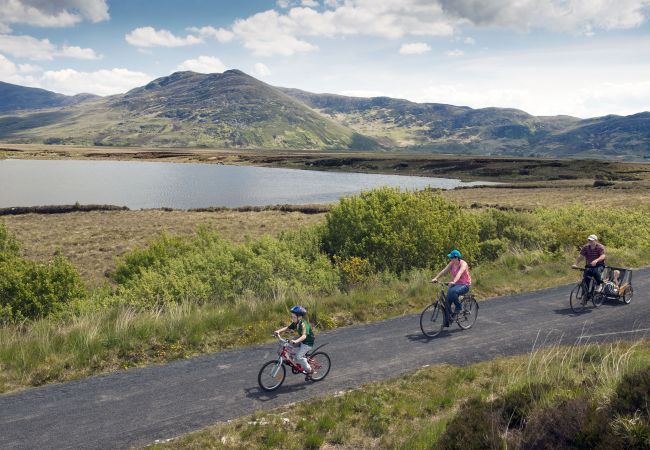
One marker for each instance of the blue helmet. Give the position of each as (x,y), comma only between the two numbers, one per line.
(454,254)
(299,310)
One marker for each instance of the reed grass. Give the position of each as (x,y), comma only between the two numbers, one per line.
(511,395)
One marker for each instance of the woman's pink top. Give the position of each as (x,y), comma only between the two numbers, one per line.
(465,278)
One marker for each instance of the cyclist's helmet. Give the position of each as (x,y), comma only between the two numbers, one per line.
(454,254)
(299,310)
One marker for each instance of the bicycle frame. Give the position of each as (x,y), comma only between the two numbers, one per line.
(283,356)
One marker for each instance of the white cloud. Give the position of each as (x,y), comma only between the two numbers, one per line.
(469,41)
(41,50)
(362,93)
(573,16)
(271,32)
(7,67)
(415,48)
(54,13)
(454,53)
(203,64)
(29,68)
(613,98)
(77,52)
(261,70)
(101,82)
(220,34)
(150,37)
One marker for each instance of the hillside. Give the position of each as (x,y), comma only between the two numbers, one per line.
(21,98)
(235,110)
(485,131)
(229,109)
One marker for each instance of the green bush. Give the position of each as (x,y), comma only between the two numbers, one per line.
(397,231)
(207,268)
(8,244)
(30,290)
(491,249)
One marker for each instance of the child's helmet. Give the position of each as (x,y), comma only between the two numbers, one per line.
(299,310)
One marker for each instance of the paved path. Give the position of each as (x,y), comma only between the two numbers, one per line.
(138,406)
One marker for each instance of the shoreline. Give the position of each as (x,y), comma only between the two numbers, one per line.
(463,167)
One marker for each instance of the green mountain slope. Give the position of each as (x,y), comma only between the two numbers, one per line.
(486,131)
(235,110)
(229,109)
(21,98)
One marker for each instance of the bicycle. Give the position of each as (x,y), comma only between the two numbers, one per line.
(273,373)
(432,318)
(584,292)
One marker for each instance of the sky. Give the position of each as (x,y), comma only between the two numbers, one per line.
(584,58)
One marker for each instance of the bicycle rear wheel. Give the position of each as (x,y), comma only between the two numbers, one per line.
(432,319)
(598,298)
(468,314)
(627,295)
(271,376)
(320,362)
(577,299)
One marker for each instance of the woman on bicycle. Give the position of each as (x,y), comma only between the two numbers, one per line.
(305,337)
(460,280)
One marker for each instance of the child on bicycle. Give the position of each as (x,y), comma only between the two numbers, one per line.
(305,339)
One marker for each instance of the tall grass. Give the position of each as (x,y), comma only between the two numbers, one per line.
(506,403)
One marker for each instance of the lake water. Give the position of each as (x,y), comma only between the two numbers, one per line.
(183,186)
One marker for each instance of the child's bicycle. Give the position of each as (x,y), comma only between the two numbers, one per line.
(432,319)
(273,373)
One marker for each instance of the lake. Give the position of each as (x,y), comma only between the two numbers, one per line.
(183,186)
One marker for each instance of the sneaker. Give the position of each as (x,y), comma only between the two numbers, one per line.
(308,375)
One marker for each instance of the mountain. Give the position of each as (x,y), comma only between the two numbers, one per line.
(229,109)
(17,98)
(235,110)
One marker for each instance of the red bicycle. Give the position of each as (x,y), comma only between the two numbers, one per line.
(273,373)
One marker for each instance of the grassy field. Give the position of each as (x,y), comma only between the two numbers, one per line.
(92,240)
(565,397)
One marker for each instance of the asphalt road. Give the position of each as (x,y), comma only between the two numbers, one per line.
(139,406)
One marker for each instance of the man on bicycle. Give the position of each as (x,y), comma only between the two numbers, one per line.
(594,255)
(460,281)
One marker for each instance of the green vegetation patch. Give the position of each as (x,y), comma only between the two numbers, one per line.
(548,399)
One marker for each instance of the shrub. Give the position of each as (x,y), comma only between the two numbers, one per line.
(633,393)
(397,231)
(354,271)
(207,268)
(491,249)
(8,244)
(30,290)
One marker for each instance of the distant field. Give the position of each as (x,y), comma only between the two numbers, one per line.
(505,169)
(92,240)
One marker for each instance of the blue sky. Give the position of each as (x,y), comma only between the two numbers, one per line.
(579,57)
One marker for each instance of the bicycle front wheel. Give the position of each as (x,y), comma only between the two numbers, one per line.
(432,319)
(272,375)
(468,314)
(577,299)
(320,362)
